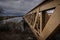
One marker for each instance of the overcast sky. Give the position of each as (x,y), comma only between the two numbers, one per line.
(18,7)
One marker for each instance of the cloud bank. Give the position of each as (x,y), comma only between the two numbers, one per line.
(18,7)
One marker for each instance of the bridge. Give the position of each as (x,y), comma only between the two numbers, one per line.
(40,23)
(44,19)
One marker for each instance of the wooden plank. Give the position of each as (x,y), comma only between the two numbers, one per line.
(52,23)
(57,2)
(40,22)
(33,30)
(36,17)
(48,6)
(33,11)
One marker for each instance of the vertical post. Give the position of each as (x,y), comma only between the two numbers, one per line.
(40,21)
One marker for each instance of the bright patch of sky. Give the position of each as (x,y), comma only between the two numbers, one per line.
(15,20)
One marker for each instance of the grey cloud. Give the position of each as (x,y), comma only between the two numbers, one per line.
(19,6)
(29,0)
(11,14)
(8,0)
